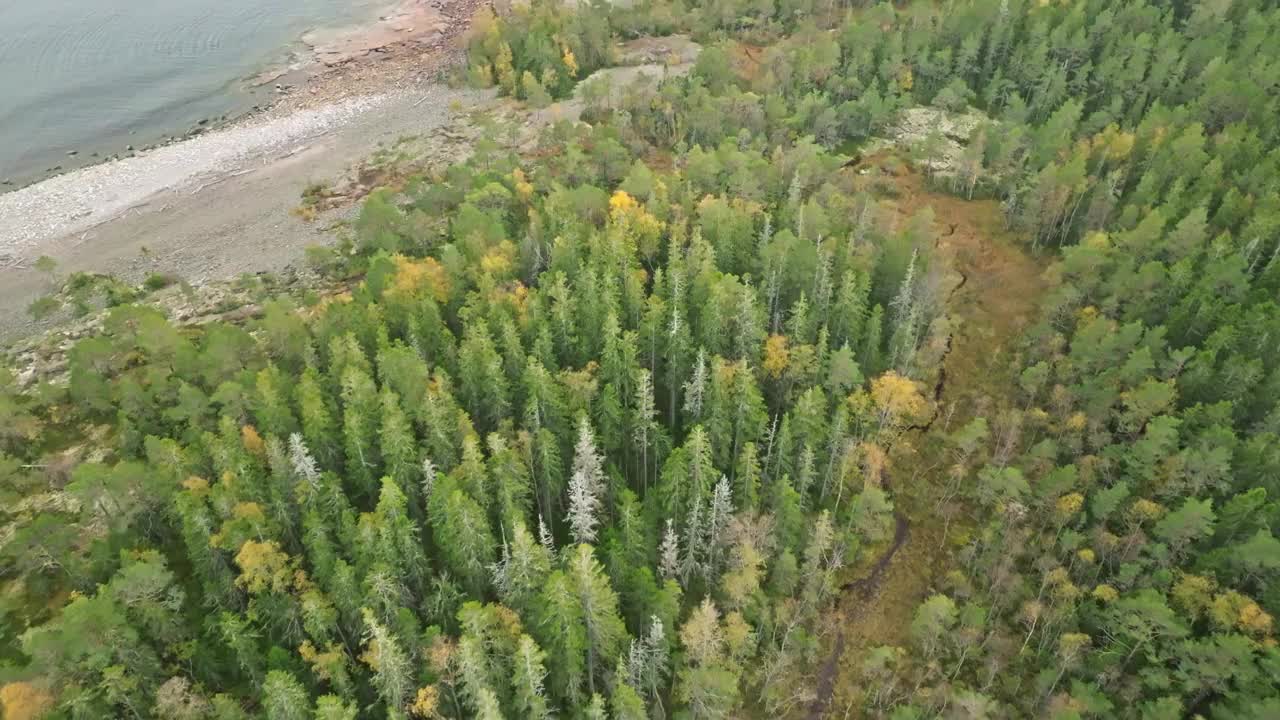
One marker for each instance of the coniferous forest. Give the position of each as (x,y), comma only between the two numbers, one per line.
(622,424)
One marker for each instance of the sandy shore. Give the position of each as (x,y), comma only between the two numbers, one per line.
(219,204)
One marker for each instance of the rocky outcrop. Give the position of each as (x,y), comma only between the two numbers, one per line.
(945,134)
(417,21)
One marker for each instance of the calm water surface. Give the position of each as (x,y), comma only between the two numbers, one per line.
(97,75)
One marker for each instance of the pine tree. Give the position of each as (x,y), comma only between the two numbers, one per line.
(483,380)
(838,448)
(746,478)
(487,650)
(603,627)
(441,423)
(560,630)
(626,703)
(596,709)
(530,671)
(472,474)
(548,473)
(487,706)
(359,429)
(462,533)
(618,361)
(720,509)
(906,320)
(749,334)
(332,707)
(272,409)
(844,374)
(522,570)
(695,389)
(822,559)
(805,473)
(346,353)
(586,486)
(238,636)
(611,419)
(644,425)
(399,448)
(318,426)
(284,698)
(678,342)
(850,309)
(799,323)
(397,543)
(669,553)
(544,536)
(691,562)
(512,486)
(648,661)
(822,284)
(511,348)
(564,320)
(739,413)
(869,355)
(393,673)
(780,459)
(544,403)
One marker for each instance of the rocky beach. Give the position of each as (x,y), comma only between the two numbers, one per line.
(216,202)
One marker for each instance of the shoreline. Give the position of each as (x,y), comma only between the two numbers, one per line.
(344,73)
(242,210)
(222,203)
(312,64)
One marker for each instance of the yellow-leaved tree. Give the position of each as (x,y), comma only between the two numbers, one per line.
(898,401)
(25,701)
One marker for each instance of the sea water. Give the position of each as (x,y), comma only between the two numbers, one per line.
(95,76)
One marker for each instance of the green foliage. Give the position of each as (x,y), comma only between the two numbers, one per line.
(44,306)
(1112,553)
(336,479)
(539,50)
(159,281)
(655,339)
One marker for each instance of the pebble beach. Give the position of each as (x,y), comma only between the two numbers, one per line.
(218,203)
(344,74)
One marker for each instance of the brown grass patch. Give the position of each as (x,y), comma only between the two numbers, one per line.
(992,308)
